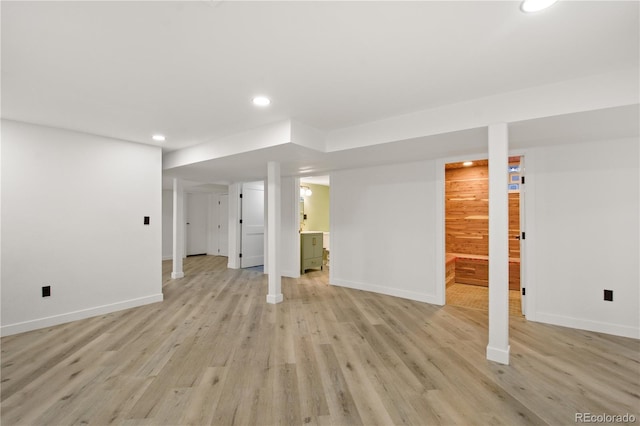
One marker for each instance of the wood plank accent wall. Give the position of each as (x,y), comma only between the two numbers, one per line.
(514,225)
(467,210)
(467,224)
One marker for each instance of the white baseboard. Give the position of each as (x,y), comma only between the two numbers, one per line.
(21,327)
(589,325)
(167,257)
(390,291)
(498,355)
(274,298)
(291,274)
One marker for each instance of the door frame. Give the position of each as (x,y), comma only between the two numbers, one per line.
(440,240)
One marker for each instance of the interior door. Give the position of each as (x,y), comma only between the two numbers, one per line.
(197,208)
(523,297)
(252,225)
(223,225)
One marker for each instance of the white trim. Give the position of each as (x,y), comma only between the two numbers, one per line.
(498,355)
(169,257)
(21,327)
(332,233)
(291,274)
(440,214)
(498,243)
(440,238)
(175,275)
(522,227)
(527,257)
(589,325)
(389,291)
(273,234)
(294,233)
(274,298)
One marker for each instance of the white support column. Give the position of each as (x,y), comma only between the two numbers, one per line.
(273,233)
(178,229)
(498,347)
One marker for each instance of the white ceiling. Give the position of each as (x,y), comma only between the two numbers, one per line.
(189,69)
(316,180)
(612,123)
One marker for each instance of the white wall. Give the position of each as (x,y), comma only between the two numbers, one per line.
(582,235)
(613,89)
(383,230)
(167,224)
(582,212)
(72,218)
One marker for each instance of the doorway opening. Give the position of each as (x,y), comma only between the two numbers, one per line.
(467,234)
(313,224)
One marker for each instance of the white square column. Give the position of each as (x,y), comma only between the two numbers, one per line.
(178,229)
(498,347)
(273,233)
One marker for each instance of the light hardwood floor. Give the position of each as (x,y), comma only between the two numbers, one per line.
(215,353)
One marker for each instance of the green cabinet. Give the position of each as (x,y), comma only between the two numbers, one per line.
(310,251)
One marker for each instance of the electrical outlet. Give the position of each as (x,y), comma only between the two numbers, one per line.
(608,295)
(46,291)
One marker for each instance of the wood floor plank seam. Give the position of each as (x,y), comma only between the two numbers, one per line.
(214,353)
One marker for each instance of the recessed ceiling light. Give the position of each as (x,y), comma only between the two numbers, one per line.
(529,6)
(159,138)
(467,163)
(261,101)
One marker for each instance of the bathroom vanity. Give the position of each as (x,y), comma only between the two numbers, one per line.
(311,250)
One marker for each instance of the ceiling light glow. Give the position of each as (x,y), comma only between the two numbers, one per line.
(467,163)
(158,138)
(261,101)
(529,6)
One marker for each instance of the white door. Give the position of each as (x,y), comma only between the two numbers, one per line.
(523,287)
(197,211)
(252,225)
(223,225)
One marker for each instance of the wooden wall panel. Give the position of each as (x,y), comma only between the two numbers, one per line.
(450,276)
(476,272)
(467,225)
(514,225)
(514,275)
(467,210)
(472,271)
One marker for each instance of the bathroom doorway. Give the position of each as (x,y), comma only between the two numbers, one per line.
(314,223)
(467,234)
